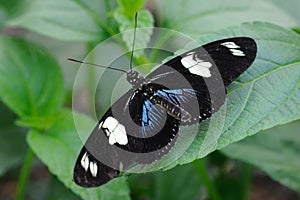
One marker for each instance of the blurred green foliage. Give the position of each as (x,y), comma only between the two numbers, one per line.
(37,129)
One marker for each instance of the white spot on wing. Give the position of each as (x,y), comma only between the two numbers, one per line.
(234,48)
(118,135)
(237,52)
(115,131)
(100,125)
(195,65)
(85,161)
(93,168)
(110,123)
(230,45)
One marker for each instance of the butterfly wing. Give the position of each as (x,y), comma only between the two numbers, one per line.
(90,172)
(133,131)
(205,71)
(134,126)
(228,58)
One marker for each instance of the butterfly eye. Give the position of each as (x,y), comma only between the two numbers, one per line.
(151,89)
(132,76)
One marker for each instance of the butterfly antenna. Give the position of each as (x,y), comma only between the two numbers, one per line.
(133,42)
(102,66)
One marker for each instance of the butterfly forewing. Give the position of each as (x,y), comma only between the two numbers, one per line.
(138,123)
(207,70)
(228,58)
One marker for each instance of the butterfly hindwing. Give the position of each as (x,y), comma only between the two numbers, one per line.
(108,152)
(90,172)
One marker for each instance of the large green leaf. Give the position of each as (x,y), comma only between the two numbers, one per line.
(276,151)
(196,17)
(62,19)
(31,82)
(59,148)
(266,95)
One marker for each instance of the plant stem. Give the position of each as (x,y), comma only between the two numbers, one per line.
(24,175)
(247,171)
(91,79)
(204,177)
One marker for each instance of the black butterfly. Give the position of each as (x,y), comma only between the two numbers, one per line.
(145,121)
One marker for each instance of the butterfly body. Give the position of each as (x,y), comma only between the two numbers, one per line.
(141,84)
(143,125)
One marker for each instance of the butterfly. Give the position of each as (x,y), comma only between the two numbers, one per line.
(145,121)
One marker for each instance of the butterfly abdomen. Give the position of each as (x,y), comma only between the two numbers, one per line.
(172,109)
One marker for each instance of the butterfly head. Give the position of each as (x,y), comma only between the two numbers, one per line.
(134,78)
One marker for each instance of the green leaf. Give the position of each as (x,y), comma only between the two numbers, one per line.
(196,18)
(145,20)
(9,5)
(275,151)
(266,95)
(297,31)
(291,7)
(62,19)
(59,150)
(167,185)
(56,190)
(49,189)
(6,9)
(3,16)
(12,141)
(31,82)
(128,8)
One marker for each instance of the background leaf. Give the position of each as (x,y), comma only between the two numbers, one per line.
(12,148)
(58,191)
(12,141)
(126,23)
(166,185)
(291,7)
(59,150)
(129,7)
(49,189)
(69,20)
(6,9)
(196,18)
(31,82)
(275,151)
